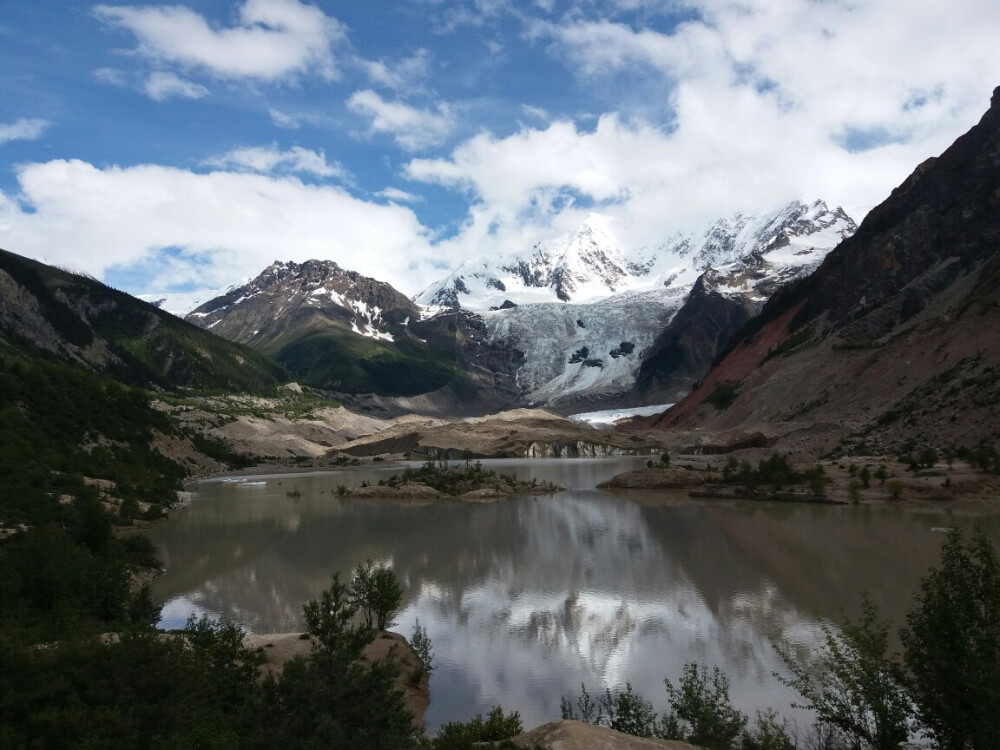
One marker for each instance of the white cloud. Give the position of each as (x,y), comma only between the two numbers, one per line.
(411,128)
(398,196)
(161,86)
(404,75)
(272,39)
(23,130)
(204,229)
(760,102)
(267,159)
(111,76)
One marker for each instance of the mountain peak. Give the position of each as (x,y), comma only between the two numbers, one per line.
(600,258)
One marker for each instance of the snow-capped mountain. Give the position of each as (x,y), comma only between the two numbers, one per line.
(602,258)
(263,307)
(585,308)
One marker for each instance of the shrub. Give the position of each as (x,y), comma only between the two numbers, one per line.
(496,727)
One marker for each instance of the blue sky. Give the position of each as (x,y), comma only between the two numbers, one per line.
(178,147)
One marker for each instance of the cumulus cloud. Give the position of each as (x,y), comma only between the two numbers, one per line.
(758,103)
(214,227)
(412,128)
(271,40)
(161,86)
(406,74)
(23,130)
(268,159)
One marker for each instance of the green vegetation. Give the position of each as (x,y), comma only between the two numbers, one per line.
(794,341)
(457,479)
(772,476)
(198,688)
(854,685)
(338,359)
(952,646)
(421,644)
(376,593)
(946,687)
(59,424)
(723,396)
(145,345)
(496,727)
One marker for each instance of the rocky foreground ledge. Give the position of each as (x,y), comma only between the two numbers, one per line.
(279,648)
(576,735)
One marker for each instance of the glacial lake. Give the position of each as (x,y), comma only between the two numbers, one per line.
(526,598)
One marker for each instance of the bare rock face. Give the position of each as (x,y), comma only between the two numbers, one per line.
(684,351)
(576,735)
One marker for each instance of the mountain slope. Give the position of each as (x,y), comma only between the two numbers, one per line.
(80,320)
(893,341)
(338,330)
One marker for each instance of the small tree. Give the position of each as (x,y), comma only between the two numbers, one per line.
(701,711)
(422,646)
(331,699)
(853,685)
(952,645)
(377,593)
(624,711)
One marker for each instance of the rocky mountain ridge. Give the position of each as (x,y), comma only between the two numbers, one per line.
(602,258)
(625,345)
(84,322)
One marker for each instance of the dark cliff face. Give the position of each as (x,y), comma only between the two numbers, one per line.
(684,352)
(941,223)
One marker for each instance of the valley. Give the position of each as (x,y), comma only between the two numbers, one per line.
(768,410)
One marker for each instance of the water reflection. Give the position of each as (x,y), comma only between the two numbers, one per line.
(526,598)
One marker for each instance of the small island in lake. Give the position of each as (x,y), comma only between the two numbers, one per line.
(465,481)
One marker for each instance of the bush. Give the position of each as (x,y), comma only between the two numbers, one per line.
(496,727)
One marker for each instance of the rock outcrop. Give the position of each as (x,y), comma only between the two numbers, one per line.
(576,735)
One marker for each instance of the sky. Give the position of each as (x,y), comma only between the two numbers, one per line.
(173,148)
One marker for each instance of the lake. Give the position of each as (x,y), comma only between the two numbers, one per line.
(526,598)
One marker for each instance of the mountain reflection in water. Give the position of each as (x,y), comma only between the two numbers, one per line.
(525,599)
